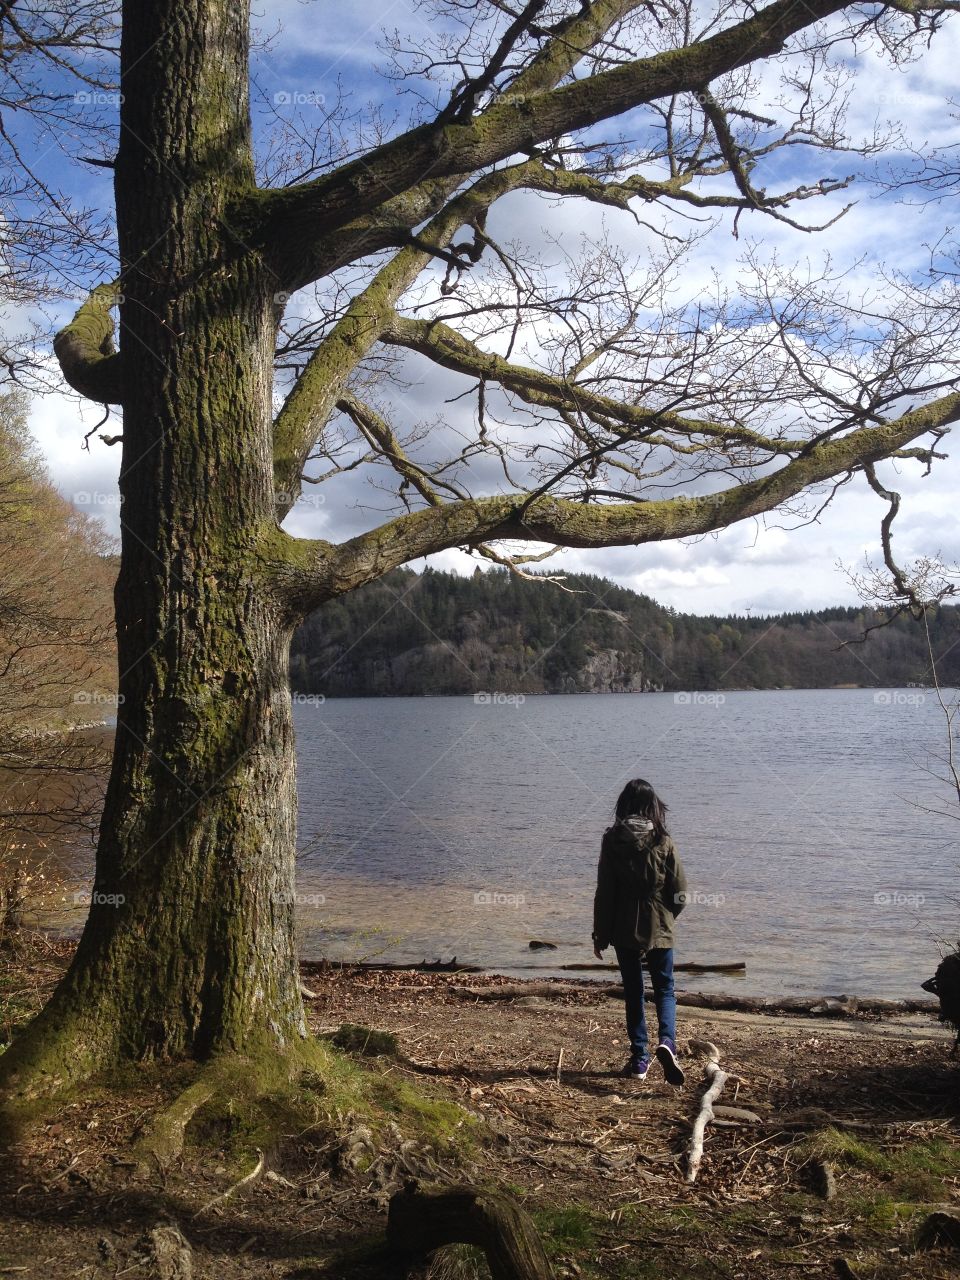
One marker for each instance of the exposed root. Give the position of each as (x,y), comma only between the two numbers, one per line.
(245,1181)
(257,1096)
(162,1140)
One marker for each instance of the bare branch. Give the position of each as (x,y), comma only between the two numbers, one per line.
(305,574)
(287,223)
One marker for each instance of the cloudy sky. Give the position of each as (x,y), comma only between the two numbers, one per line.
(782,563)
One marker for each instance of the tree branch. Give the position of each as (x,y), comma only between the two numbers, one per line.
(286,223)
(311,400)
(379,433)
(446,347)
(86,352)
(305,574)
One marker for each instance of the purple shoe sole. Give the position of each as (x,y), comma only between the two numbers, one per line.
(671,1067)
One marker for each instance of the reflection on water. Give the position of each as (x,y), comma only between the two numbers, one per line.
(438,827)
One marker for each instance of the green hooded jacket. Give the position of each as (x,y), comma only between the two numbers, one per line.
(641,888)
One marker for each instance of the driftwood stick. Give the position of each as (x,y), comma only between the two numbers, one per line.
(717,1078)
(422,1219)
(814,1006)
(514,990)
(685,966)
(323,966)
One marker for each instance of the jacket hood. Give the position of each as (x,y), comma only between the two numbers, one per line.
(631,833)
(637,850)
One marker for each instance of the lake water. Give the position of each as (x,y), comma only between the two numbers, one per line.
(803,818)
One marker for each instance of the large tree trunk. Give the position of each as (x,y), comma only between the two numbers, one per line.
(189,947)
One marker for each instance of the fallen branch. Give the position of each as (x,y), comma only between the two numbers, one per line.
(515,990)
(717,1078)
(813,1006)
(686,966)
(367,966)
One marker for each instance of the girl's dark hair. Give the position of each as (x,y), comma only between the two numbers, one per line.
(639,800)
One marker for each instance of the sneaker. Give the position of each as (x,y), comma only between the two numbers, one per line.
(636,1068)
(667,1057)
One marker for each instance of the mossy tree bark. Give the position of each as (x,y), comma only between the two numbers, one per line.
(189,946)
(188,949)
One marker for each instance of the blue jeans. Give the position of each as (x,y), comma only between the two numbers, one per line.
(659,962)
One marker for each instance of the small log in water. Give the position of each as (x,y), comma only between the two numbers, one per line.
(423,1219)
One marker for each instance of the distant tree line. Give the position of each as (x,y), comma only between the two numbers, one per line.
(439,633)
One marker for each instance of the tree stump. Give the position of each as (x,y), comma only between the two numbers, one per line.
(945,984)
(422,1219)
(166,1253)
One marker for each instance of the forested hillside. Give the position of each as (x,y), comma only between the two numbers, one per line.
(56,593)
(57,655)
(438,633)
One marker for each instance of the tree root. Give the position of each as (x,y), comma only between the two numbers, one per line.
(423,1219)
(257,1095)
(245,1181)
(162,1139)
(53,1056)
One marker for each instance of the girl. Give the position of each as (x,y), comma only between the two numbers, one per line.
(641,889)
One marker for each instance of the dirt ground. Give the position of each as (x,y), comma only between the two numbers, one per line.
(871,1105)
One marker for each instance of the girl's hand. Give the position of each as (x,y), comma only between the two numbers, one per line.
(598,953)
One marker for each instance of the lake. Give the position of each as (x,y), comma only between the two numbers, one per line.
(807,821)
(434,827)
